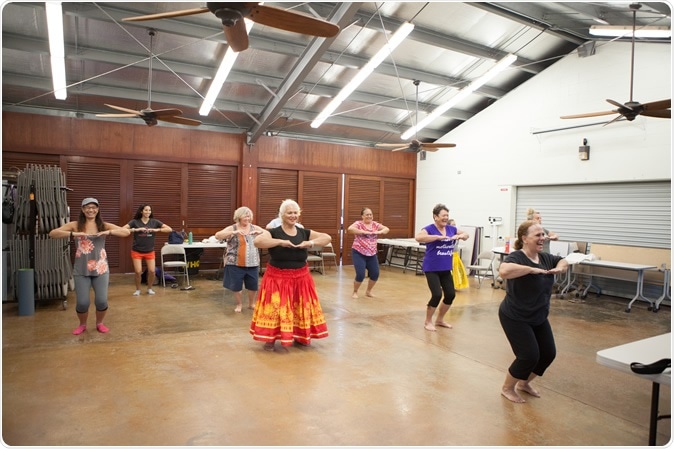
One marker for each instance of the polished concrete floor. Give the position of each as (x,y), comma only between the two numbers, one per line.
(180,368)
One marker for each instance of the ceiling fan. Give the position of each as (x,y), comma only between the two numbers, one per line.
(149,115)
(415,145)
(232,14)
(632,109)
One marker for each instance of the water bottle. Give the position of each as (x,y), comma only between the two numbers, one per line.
(507,245)
(189,238)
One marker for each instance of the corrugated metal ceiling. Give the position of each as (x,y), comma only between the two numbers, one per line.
(452,44)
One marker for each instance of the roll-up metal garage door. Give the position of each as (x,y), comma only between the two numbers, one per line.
(632,214)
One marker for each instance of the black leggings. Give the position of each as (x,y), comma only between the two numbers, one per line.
(534,346)
(440,282)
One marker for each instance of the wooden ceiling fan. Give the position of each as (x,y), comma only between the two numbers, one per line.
(149,115)
(231,14)
(632,109)
(415,145)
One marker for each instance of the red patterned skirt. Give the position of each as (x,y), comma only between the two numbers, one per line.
(287,308)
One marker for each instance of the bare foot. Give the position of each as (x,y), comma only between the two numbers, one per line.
(238,309)
(251,306)
(354,296)
(370,294)
(527,388)
(269,346)
(443,324)
(512,395)
(429,327)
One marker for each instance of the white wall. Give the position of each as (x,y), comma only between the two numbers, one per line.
(496,150)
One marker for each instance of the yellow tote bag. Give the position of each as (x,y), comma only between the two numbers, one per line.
(459,272)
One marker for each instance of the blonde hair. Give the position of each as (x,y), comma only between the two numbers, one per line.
(242,212)
(530,213)
(286,204)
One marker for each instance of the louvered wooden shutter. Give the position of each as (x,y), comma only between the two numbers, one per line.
(321,202)
(396,211)
(360,192)
(274,186)
(101,179)
(159,185)
(22,160)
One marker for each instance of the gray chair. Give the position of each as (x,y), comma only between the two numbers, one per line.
(484,267)
(315,259)
(174,262)
(329,252)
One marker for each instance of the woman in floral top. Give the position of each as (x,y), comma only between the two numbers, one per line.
(364,250)
(90,269)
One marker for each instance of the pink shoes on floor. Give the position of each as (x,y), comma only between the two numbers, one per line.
(102,328)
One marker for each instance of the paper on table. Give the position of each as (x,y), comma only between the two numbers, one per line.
(575,258)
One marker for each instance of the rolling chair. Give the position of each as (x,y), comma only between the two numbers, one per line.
(484,267)
(174,262)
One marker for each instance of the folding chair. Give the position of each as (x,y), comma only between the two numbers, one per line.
(484,267)
(174,262)
(315,259)
(329,252)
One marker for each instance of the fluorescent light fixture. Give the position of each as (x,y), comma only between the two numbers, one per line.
(463,93)
(221,75)
(397,38)
(626,31)
(56,48)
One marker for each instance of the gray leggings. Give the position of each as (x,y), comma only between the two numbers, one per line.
(83,285)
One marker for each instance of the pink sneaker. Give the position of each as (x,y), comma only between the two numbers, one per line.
(101,328)
(81,328)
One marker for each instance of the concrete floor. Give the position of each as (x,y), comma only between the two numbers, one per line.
(180,368)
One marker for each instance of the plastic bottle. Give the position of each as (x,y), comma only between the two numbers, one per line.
(507,244)
(189,238)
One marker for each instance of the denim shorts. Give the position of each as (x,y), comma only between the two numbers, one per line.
(236,277)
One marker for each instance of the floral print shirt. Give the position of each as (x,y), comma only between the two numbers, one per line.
(90,257)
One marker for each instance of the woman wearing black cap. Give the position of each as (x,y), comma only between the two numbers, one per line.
(90,269)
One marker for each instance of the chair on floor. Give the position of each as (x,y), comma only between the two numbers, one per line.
(315,259)
(484,267)
(174,262)
(329,252)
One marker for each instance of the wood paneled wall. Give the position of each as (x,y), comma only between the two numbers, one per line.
(41,139)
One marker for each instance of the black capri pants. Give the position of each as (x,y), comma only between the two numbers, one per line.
(533,345)
(440,282)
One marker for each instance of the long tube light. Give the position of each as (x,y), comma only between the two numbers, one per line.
(463,93)
(221,75)
(397,38)
(626,31)
(56,48)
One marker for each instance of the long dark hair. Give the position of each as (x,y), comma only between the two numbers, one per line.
(82,219)
(139,212)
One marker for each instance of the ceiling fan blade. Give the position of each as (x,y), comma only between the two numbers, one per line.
(589,114)
(388,145)
(429,146)
(661,113)
(237,36)
(654,105)
(167,15)
(406,147)
(431,149)
(292,21)
(163,112)
(119,108)
(614,120)
(117,115)
(179,120)
(619,105)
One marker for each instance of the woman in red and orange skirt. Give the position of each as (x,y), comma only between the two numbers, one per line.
(287,307)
